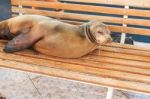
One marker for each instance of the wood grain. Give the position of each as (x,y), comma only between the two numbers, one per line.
(38,62)
(84,8)
(134,3)
(115,65)
(113,28)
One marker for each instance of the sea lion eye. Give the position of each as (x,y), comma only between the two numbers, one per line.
(100,32)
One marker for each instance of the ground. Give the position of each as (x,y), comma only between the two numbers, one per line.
(23,85)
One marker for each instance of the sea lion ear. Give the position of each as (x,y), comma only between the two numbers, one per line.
(96,21)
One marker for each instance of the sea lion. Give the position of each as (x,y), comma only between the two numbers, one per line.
(53,37)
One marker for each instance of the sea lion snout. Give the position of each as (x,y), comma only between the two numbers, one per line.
(100,31)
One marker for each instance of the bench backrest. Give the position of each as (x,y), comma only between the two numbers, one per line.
(122,16)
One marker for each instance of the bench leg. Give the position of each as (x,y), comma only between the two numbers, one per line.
(110,93)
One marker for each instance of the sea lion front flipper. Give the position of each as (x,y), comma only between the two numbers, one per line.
(18,43)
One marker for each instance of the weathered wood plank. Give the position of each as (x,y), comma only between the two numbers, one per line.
(114,65)
(99,80)
(113,28)
(85,8)
(135,3)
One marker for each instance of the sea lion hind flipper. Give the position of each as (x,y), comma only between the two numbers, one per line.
(18,43)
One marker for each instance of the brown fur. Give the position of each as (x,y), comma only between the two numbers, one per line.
(52,37)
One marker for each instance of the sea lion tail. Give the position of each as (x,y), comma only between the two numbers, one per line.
(4,31)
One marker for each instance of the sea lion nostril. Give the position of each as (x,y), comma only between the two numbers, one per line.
(7,49)
(110,40)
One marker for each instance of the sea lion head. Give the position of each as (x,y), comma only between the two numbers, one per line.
(97,32)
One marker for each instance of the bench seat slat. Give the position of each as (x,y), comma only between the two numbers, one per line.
(120,55)
(126,51)
(116,60)
(78,68)
(91,63)
(120,61)
(72,64)
(117,48)
(95,63)
(127,46)
(88,62)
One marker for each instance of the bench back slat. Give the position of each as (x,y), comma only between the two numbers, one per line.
(134,3)
(86,8)
(82,14)
(105,19)
(113,28)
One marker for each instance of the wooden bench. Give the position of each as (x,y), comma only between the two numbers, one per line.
(115,65)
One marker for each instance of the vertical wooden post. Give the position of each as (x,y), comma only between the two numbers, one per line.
(32,6)
(20,7)
(123,35)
